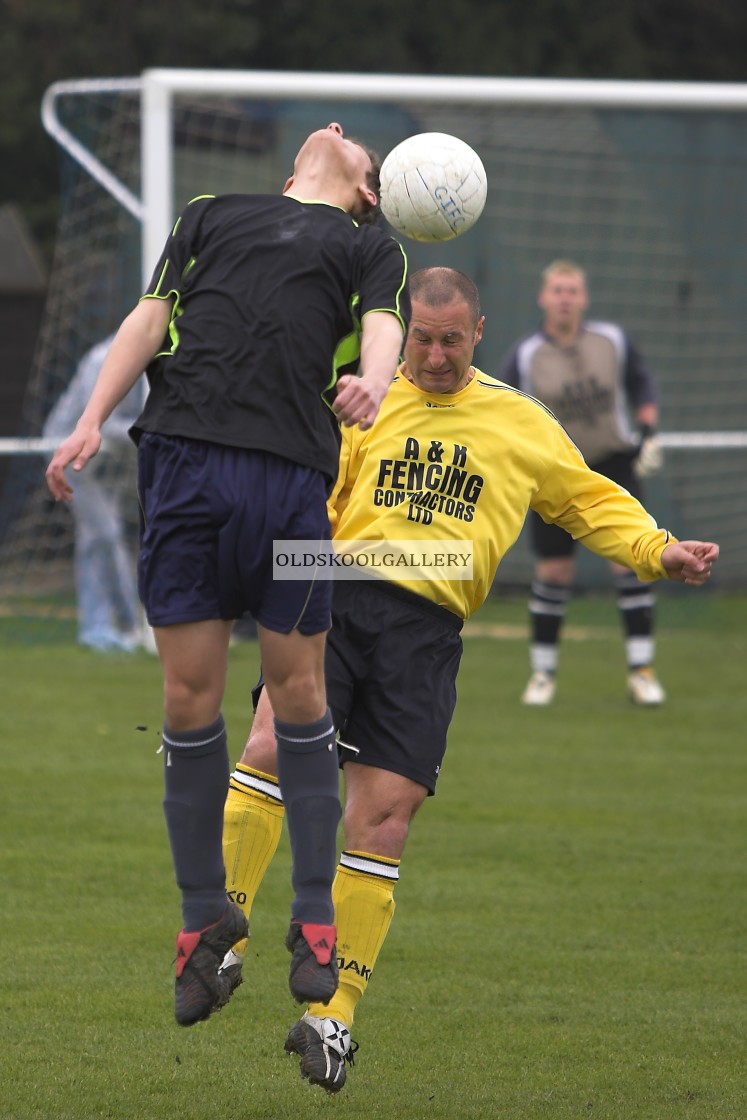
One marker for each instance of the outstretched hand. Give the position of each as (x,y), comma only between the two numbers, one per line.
(690,561)
(77,449)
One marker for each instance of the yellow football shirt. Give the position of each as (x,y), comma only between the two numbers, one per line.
(464,468)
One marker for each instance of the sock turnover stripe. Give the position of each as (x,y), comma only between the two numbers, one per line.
(246,781)
(633,601)
(187,744)
(320,737)
(369,865)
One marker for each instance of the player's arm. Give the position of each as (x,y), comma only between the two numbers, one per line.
(359,398)
(596,511)
(642,394)
(137,340)
(612,523)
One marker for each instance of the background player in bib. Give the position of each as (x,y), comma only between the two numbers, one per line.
(445,443)
(257,306)
(590,375)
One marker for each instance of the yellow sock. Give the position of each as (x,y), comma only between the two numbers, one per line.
(363,894)
(252,826)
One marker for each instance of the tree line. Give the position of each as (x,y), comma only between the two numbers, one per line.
(46,40)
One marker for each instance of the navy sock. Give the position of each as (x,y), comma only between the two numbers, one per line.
(309,781)
(195,786)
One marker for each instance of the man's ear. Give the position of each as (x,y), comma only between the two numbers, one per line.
(367,195)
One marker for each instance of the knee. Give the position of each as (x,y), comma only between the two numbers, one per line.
(293,666)
(189,703)
(380,830)
(298,681)
(558,570)
(298,697)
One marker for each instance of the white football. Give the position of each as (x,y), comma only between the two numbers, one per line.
(433,187)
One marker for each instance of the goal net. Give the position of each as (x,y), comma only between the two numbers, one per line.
(641,183)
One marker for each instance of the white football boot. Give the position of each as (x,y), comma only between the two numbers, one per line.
(644,689)
(324,1046)
(539,691)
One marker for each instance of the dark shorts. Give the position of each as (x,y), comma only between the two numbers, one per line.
(391,667)
(550,541)
(209,516)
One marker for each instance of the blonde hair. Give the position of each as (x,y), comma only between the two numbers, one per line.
(562,266)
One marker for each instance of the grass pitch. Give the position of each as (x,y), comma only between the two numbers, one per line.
(571,926)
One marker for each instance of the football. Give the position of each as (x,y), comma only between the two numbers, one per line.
(433,187)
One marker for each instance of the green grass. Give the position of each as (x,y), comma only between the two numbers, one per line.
(571,926)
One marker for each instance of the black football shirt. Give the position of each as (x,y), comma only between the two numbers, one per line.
(268,296)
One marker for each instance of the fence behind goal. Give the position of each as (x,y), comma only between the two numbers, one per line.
(643,184)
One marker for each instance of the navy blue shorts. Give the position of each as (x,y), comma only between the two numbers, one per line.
(209,516)
(550,541)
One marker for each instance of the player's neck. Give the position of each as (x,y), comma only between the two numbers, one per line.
(563,333)
(321,188)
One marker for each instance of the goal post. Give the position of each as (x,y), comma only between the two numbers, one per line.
(161,86)
(642,183)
